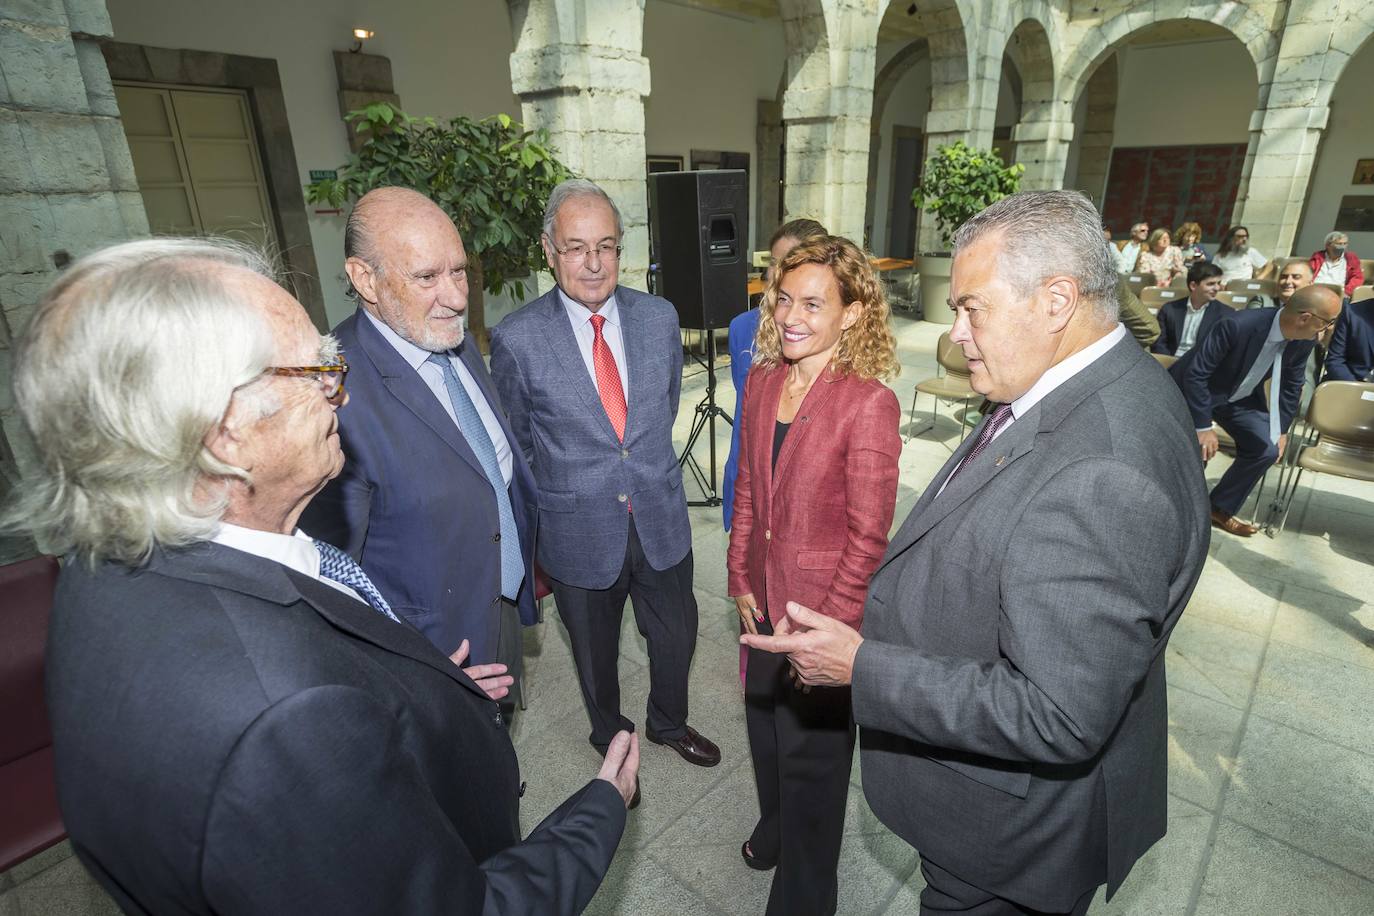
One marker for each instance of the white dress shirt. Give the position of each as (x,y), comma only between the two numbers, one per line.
(580,317)
(433,377)
(1192,320)
(294,551)
(1052,378)
(1127,256)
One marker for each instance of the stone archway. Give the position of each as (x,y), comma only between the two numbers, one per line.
(897,67)
(1040,135)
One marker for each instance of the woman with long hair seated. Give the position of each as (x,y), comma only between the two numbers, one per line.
(814,500)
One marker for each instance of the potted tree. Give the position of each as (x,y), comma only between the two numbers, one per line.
(493,178)
(956,183)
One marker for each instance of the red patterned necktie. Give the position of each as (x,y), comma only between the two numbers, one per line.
(608,379)
(996,420)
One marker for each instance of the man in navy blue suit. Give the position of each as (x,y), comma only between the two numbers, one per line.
(1184,322)
(1223,380)
(1350,357)
(435,501)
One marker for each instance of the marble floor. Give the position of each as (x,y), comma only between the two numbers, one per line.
(1271,683)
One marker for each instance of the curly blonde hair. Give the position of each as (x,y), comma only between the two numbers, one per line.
(868,348)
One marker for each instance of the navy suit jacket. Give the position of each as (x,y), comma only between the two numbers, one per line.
(413,505)
(743,328)
(1352,344)
(1171,315)
(1209,373)
(233,737)
(587,477)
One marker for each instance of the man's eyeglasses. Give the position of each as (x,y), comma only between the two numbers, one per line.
(577,252)
(329,378)
(1324,322)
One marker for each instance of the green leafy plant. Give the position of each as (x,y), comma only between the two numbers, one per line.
(493,178)
(959,181)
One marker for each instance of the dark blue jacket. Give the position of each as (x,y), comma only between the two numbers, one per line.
(1352,343)
(1209,373)
(743,329)
(413,505)
(1171,315)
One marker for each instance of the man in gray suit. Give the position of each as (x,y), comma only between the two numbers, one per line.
(1009,679)
(590,374)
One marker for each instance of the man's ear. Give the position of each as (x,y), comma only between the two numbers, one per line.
(549,251)
(226,441)
(1062,293)
(363,278)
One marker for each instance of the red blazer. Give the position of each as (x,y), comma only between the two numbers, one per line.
(815,531)
(1354,272)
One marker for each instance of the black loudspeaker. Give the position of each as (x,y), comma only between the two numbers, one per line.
(700,231)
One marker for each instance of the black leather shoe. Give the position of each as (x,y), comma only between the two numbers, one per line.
(692,747)
(753,861)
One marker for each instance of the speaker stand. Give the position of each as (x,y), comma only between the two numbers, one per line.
(705,421)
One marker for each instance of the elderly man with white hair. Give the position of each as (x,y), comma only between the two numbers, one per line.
(241,722)
(1009,678)
(1336,264)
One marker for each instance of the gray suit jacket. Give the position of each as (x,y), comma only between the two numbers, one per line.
(584,475)
(1011,684)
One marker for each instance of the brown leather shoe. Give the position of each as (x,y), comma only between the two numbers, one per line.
(1232,525)
(692,746)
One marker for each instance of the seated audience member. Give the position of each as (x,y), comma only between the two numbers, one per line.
(1222,379)
(1350,358)
(1160,259)
(743,328)
(241,722)
(1135,316)
(1238,261)
(1293,276)
(1189,238)
(1128,249)
(1185,321)
(1337,264)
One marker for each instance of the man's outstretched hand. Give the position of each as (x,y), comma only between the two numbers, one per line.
(492,678)
(621,767)
(820,648)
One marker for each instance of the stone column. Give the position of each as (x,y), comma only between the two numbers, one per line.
(580,74)
(1099,126)
(67,186)
(827,109)
(769,141)
(1042,146)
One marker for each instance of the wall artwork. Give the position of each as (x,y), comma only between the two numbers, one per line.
(659,164)
(1356,213)
(1169,185)
(1364,172)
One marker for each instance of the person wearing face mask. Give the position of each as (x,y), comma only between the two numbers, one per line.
(1337,264)
(816,492)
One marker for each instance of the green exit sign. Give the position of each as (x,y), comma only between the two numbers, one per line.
(324,174)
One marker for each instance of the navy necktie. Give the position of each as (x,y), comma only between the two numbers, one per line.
(339,566)
(475,431)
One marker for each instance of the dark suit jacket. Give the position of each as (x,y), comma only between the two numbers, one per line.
(1351,355)
(1209,373)
(1171,316)
(413,505)
(743,328)
(233,737)
(814,531)
(585,475)
(1010,689)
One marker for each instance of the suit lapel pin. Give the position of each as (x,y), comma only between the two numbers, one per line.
(1000,459)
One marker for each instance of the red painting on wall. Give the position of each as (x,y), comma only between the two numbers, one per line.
(1171,185)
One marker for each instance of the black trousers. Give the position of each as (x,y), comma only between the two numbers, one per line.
(802,744)
(510,650)
(665,612)
(947,893)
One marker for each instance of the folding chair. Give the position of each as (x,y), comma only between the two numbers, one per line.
(1342,418)
(952,386)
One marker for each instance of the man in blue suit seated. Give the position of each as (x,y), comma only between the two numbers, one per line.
(1184,322)
(435,501)
(591,373)
(1222,379)
(1350,357)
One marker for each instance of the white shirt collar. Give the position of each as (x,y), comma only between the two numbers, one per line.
(580,314)
(413,355)
(1064,370)
(1275,329)
(294,551)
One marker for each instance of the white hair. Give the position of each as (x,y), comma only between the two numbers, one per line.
(130,362)
(1050,233)
(1332,236)
(574,188)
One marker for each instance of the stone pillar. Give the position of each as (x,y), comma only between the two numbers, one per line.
(580,74)
(827,109)
(1286,128)
(67,186)
(962,107)
(769,141)
(1099,126)
(1042,146)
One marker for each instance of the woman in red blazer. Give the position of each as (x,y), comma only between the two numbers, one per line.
(814,499)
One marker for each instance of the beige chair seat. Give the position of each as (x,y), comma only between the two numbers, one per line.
(1342,414)
(948,387)
(1334,458)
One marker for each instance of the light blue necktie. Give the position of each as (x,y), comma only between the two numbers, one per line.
(339,566)
(1256,375)
(475,431)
